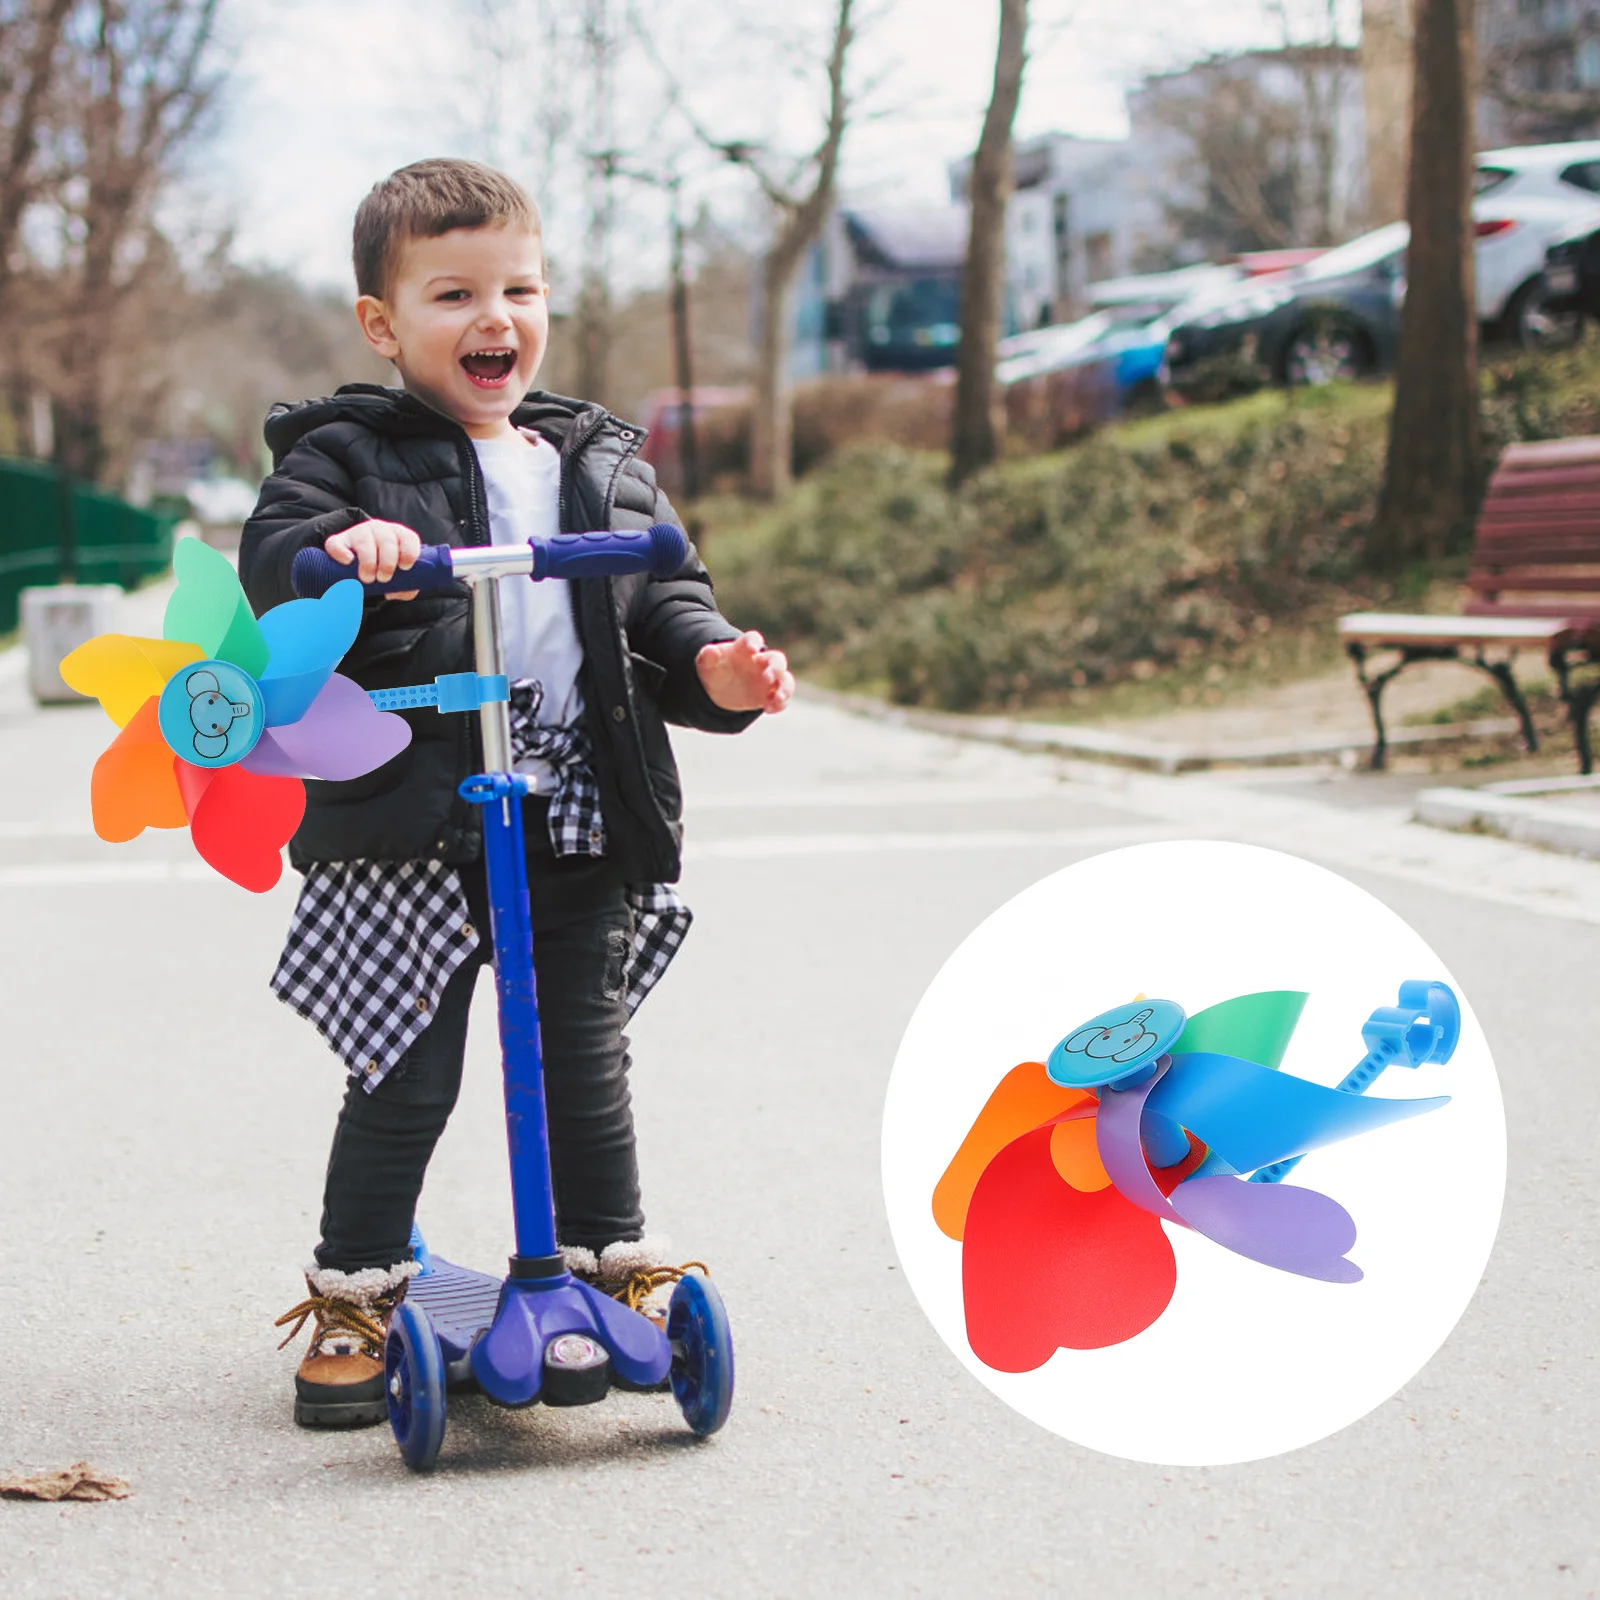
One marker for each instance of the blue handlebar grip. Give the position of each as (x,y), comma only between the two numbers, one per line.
(313,572)
(660,549)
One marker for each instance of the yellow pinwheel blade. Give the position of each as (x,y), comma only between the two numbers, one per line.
(122,671)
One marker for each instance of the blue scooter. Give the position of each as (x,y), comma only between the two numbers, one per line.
(539,1333)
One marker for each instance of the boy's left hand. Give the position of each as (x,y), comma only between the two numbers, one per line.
(743,675)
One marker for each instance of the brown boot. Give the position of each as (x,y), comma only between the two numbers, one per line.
(340,1381)
(640,1273)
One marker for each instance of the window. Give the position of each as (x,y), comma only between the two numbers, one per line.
(1587,70)
(1487,179)
(1585,174)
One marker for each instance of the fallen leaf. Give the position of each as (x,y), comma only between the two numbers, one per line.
(80,1481)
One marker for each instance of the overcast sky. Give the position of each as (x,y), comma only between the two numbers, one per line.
(327,97)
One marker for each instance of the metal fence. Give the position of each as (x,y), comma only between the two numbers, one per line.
(112,541)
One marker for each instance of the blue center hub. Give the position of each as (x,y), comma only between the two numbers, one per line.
(1119,1045)
(211,714)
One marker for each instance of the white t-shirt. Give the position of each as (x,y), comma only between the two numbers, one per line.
(523,480)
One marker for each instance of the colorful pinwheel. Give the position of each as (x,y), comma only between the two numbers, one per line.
(224,715)
(1058,1192)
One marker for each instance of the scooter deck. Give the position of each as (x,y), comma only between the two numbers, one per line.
(460,1304)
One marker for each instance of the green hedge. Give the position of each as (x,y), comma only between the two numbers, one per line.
(116,542)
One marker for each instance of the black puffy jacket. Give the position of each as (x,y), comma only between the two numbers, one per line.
(371,452)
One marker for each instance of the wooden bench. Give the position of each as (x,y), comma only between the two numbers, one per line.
(1534,584)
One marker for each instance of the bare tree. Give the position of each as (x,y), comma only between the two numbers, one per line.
(135,87)
(1434,469)
(594,316)
(30,52)
(1529,69)
(1386,70)
(801,202)
(1260,135)
(977,421)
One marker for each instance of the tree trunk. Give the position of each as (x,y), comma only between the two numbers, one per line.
(688,454)
(1434,471)
(772,422)
(978,421)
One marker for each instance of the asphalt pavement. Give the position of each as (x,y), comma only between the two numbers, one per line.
(163,1125)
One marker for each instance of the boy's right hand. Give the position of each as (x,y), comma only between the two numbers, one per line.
(378,549)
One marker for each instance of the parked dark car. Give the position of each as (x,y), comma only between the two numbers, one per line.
(1572,272)
(1336,317)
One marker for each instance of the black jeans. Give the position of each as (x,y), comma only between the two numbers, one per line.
(381,1147)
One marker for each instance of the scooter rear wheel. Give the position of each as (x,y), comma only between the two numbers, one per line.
(702,1354)
(414,1379)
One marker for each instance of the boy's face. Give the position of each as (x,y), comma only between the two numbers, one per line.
(465,321)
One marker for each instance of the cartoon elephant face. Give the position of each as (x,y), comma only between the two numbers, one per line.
(212,713)
(1122,1041)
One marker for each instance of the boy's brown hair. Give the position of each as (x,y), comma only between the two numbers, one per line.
(429,198)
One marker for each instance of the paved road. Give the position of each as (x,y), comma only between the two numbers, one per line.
(163,1123)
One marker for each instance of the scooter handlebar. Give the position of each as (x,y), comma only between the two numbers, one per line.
(660,549)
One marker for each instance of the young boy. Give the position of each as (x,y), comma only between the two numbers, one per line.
(392,924)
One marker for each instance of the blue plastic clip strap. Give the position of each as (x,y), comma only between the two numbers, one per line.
(486,787)
(420,694)
(450,691)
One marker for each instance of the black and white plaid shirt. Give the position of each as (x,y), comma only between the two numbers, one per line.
(373,943)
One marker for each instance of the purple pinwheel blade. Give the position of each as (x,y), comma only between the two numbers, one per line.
(1300,1230)
(342,735)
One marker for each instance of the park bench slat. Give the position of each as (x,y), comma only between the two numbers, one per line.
(1383,627)
(1538,453)
(1534,582)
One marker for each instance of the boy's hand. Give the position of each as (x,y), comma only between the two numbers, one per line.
(743,675)
(378,549)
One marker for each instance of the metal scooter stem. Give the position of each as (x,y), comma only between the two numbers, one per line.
(527,1127)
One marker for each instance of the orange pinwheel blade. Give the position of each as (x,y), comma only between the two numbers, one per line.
(134,786)
(240,821)
(1025,1098)
(122,671)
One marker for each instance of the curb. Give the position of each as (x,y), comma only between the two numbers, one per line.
(1151,755)
(1513,817)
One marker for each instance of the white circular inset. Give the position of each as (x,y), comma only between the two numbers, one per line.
(1246,1360)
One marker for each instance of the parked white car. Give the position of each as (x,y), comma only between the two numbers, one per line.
(1541,171)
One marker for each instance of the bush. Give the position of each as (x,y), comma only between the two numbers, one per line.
(1150,547)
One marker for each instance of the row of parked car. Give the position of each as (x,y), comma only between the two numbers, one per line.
(1314,316)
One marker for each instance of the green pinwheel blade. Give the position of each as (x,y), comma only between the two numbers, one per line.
(208,608)
(1253,1027)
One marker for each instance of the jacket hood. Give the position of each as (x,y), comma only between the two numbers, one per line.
(399,413)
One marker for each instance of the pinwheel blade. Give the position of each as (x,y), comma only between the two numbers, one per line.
(1304,1232)
(134,786)
(1252,1116)
(240,821)
(122,671)
(1306,1235)
(1254,1027)
(1045,1266)
(342,735)
(1023,1099)
(208,608)
(305,641)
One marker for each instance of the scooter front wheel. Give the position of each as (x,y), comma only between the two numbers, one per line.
(414,1381)
(702,1354)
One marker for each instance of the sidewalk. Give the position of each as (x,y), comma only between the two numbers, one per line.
(1317,731)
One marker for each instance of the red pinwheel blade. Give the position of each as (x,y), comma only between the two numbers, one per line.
(240,821)
(1046,1267)
(342,735)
